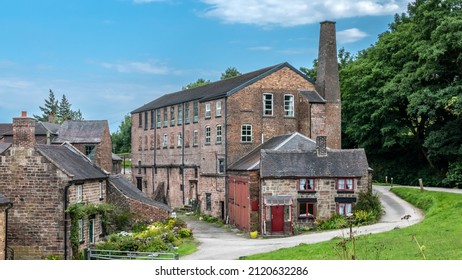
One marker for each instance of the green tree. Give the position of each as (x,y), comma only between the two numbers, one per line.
(122,138)
(58,110)
(50,108)
(230,72)
(401,98)
(200,82)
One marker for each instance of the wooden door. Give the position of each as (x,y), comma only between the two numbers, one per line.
(277,218)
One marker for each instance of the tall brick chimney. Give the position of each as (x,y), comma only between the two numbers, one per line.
(24,131)
(328,85)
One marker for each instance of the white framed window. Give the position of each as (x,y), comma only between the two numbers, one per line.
(246,133)
(78,193)
(218,108)
(267,104)
(100,190)
(81,230)
(207,134)
(288,105)
(345,184)
(219,134)
(195,137)
(344,208)
(208,111)
(179,139)
(165,142)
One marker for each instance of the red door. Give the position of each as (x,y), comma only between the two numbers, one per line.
(277,218)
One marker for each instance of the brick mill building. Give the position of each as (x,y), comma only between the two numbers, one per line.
(183,142)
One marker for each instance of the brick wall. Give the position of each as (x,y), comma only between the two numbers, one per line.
(246,107)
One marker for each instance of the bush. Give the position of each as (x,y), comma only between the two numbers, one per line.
(369,203)
(184,233)
(334,222)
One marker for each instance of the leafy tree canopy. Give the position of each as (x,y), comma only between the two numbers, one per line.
(121,139)
(402,97)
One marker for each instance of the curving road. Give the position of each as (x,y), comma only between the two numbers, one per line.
(221,244)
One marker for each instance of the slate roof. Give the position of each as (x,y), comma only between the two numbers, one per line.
(289,142)
(337,163)
(68,159)
(215,90)
(41,128)
(81,132)
(312,96)
(3,200)
(126,188)
(4,147)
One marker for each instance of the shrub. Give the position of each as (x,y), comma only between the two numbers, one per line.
(370,203)
(334,222)
(184,232)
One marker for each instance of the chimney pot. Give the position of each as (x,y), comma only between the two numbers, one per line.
(24,114)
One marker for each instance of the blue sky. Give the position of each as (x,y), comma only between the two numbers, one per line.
(110,57)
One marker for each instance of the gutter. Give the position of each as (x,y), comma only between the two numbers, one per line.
(66,190)
(10,205)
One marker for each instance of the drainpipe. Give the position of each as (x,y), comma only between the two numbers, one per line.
(182,150)
(226,160)
(10,205)
(66,190)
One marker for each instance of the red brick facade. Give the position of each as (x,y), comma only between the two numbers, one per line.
(156,143)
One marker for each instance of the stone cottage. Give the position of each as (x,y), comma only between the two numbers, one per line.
(43,181)
(292,180)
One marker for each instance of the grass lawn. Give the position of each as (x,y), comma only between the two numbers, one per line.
(188,247)
(437,237)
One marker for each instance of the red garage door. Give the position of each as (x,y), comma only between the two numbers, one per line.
(239,204)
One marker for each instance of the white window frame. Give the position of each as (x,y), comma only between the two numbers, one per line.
(158,118)
(246,132)
(79,193)
(344,208)
(195,137)
(218,108)
(208,134)
(100,190)
(195,111)
(165,142)
(219,133)
(180,114)
(289,106)
(305,183)
(208,110)
(179,139)
(265,109)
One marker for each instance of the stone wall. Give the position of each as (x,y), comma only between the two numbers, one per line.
(2,231)
(36,186)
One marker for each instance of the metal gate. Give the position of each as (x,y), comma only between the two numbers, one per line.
(93,254)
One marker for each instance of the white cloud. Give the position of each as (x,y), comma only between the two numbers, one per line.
(350,35)
(298,12)
(137,67)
